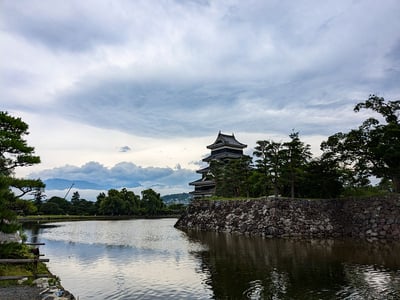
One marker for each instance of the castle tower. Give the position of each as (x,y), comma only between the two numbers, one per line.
(224,147)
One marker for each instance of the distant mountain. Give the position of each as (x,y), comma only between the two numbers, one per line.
(62,184)
(182,198)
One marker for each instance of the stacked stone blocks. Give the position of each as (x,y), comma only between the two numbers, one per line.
(375,217)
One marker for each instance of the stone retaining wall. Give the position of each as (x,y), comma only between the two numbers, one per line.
(376,217)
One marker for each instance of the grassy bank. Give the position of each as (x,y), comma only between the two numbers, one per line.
(29,270)
(23,270)
(55,218)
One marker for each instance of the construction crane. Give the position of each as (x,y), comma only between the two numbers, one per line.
(68,190)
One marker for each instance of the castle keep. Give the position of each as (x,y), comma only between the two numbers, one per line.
(224,148)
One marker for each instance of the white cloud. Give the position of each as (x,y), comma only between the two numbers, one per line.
(95,176)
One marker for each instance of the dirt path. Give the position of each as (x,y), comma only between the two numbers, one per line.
(20,293)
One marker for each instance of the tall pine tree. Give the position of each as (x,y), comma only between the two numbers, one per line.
(14,152)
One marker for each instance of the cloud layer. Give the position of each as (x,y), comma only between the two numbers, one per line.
(93,175)
(93,178)
(171,67)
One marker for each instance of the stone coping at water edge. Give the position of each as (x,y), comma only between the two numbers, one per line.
(373,217)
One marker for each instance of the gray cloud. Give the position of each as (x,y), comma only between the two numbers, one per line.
(125,149)
(268,66)
(157,109)
(63,26)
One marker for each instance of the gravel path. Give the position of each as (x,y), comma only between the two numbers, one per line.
(20,293)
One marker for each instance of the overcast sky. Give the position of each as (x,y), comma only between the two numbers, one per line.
(129,93)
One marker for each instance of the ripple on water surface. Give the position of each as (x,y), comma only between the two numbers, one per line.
(150,259)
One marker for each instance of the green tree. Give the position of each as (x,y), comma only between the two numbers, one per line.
(116,202)
(344,149)
(132,202)
(257,185)
(76,208)
(263,179)
(58,206)
(8,222)
(38,197)
(152,202)
(112,203)
(14,152)
(322,179)
(374,147)
(51,208)
(81,206)
(87,207)
(269,163)
(297,155)
(23,207)
(100,198)
(217,174)
(231,176)
(75,197)
(241,172)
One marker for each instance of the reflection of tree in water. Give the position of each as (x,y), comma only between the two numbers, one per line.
(254,268)
(33,230)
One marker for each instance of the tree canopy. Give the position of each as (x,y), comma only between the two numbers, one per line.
(14,152)
(373,148)
(282,164)
(269,163)
(296,155)
(231,176)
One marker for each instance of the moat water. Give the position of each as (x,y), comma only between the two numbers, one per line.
(150,259)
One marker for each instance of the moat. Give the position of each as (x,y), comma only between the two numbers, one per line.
(150,259)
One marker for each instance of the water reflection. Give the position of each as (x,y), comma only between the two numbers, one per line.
(150,259)
(254,268)
(137,259)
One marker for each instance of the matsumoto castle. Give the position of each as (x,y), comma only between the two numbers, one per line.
(224,147)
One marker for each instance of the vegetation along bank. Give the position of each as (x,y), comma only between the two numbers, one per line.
(374,217)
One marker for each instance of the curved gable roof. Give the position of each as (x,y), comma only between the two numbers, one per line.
(226,140)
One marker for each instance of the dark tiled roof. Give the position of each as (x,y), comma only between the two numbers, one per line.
(204,170)
(202,182)
(222,156)
(226,140)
